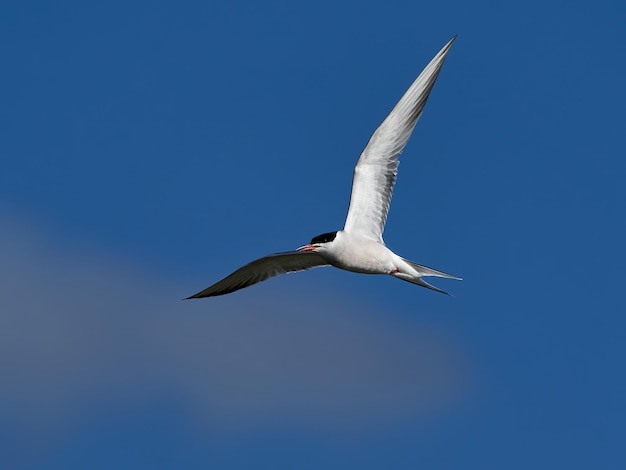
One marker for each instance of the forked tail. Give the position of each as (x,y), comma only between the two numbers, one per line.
(426,271)
(423,271)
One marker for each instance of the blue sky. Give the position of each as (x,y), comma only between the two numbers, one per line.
(149,148)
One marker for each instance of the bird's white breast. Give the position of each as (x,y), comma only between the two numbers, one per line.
(359,254)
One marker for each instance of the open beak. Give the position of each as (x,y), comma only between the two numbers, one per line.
(307,247)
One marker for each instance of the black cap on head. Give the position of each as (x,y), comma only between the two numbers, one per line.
(324,238)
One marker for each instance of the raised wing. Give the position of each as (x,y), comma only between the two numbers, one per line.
(375,172)
(261,270)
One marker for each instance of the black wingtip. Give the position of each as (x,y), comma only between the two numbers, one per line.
(450,42)
(195,296)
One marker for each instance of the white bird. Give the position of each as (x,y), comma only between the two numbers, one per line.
(359,247)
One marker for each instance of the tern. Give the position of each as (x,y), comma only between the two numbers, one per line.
(359,247)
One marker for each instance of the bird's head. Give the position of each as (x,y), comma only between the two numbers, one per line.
(318,242)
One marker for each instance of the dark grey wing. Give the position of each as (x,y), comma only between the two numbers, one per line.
(261,270)
(375,172)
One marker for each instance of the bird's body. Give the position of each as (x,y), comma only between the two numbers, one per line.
(359,247)
(359,254)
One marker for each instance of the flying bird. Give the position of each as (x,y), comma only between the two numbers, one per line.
(359,247)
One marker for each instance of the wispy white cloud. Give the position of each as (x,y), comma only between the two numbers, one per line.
(79,333)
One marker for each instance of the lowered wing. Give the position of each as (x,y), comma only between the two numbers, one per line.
(261,270)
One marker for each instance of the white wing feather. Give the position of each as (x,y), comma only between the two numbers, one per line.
(375,172)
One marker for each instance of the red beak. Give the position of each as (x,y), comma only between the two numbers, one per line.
(307,247)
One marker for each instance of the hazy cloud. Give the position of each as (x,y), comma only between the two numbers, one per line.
(79,334)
